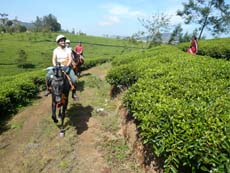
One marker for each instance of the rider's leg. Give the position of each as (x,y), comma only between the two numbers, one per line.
(74,81)
(48,82)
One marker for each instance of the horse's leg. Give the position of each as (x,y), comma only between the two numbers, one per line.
(54,112)
(60,114)
(64,107)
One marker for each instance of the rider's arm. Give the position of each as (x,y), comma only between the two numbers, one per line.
(196,46)
(69,59)
(81,51)
(54,59)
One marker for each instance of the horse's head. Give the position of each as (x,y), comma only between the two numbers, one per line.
(57,83)
(76,56)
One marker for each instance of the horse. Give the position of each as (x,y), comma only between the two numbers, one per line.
(77,61)
(60,87)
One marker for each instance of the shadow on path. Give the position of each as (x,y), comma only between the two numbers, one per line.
(79,117)
(80,86)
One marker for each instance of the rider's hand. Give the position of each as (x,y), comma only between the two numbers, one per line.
(65,68)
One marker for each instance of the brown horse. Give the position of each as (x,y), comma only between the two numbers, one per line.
(77,61)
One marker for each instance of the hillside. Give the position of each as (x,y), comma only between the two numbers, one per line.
(178,102)
(39,46)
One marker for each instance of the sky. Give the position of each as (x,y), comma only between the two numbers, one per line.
(95,17)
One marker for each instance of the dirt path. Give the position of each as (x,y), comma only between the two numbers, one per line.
(91,143)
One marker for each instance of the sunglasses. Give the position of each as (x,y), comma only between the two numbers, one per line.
(62,40)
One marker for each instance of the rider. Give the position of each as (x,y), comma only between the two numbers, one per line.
(79,50)
(67,45)
(63,56)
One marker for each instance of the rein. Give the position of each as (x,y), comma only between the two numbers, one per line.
(70,82)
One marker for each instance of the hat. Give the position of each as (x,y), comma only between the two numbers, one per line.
(59,37)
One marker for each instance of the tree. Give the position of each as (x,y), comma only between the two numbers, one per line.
(3,18)
(50,23)
(158,24)
(176,34)
(9,23)
(38,24)
(20,28)
(185,37)
(47,23)
(214,15)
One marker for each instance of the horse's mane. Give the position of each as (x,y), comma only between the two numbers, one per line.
(76,56)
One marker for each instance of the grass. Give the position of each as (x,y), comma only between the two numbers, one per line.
(39,48)
(110,123)
(117,151)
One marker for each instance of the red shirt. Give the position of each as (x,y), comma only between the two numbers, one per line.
(194,46)
(79,49)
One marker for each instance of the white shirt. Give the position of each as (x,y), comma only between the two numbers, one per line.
(61,54)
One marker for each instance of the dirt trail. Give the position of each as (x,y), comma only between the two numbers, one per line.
(33,144)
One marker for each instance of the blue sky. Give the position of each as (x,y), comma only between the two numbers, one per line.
(101,17)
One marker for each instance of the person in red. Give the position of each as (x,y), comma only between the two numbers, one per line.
(79,48)
(193,49)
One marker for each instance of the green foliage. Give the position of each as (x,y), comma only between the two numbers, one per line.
(182,106)
(136,65)
(214,15)
(90,62)
(177,32)
(19,90)
(216,48)
(39,48)
(19,85)
(22,57)
(47,23)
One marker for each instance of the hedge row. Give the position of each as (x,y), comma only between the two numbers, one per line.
(19,90)
(127,69)
(216,48)
(182,106)
(91,62)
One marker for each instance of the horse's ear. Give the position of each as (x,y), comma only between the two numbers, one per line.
(73,52)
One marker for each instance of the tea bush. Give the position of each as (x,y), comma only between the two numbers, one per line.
(182,105)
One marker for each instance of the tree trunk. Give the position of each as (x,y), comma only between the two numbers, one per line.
(203,27)
(206,18)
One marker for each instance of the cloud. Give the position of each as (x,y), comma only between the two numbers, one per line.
(109,21)
(121,10)
(115,13)
(175,19)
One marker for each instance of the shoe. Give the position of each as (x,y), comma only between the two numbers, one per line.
(47,92)
(74,96)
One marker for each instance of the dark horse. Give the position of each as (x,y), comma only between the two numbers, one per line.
(60,91)
(76,63)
